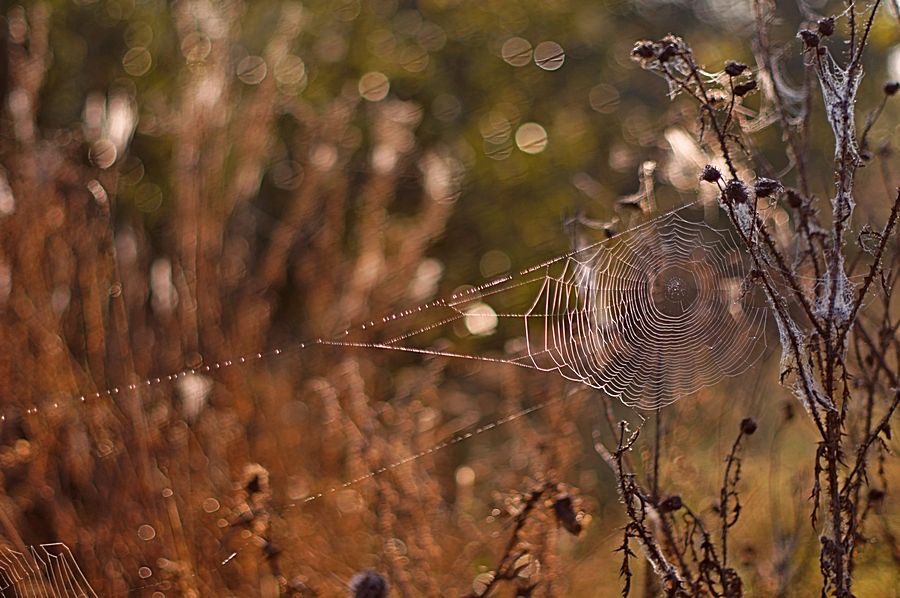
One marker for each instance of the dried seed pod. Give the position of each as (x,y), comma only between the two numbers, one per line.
(891,87)
(643,50)
(748,426)
(566,515)
(744,88)
(710,174)
(876,495)
(765,187)
(809,38)
(668,52)
(794,199)
(733,69)
(673,503)
(826,26)
(368,584)
(736,192)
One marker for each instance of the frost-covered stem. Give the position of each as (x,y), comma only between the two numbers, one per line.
(804,373)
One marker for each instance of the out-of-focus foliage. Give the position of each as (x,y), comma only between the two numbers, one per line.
(189,182)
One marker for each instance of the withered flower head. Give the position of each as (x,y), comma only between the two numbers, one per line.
(809,38)
(744,88)
(748,426)
(736,192)
(710,174)
(368,584)
(765,187)
(826,26)
(643,50)
(735,68)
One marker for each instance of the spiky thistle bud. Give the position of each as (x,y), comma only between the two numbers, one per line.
(744,88)
(733,69)
(748,426)
(765,187)
(736,192)
(710,174)
(809,38)
(826,26)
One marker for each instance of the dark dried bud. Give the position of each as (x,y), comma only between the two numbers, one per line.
(744,88)
(673,503)
(736,192)
(809,38)
(826,26)
(794,199)
(876,495)
(668,52)
(710,174)
(821,51)
(271,550)
(891,88)
(368,585)
(735,68)
(748,426)
(643,50)
(886,430)
(766,187)
(566,515)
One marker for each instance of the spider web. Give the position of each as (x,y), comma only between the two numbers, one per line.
(649,316)
(45,571)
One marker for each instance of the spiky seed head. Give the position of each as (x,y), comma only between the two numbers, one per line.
(891,87)
(736,192)
(710,174)
(643,50)
(368,584)
(765,187)
(809,38)
(748,426)
(734,69)
(744,88)
(826,26)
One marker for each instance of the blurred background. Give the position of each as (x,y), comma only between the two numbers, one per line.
(187,183)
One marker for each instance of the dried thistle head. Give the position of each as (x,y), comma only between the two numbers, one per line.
(710,174)
(764,187)
(736,192)
(826,26)
(368,584)
(810,39)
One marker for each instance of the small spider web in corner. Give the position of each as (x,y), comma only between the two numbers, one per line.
(45,571)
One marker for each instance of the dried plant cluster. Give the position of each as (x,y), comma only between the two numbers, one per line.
(839,345)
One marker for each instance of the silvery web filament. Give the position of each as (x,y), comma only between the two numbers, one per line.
(649,317)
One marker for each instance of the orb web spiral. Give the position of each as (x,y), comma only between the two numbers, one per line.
(651,316)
